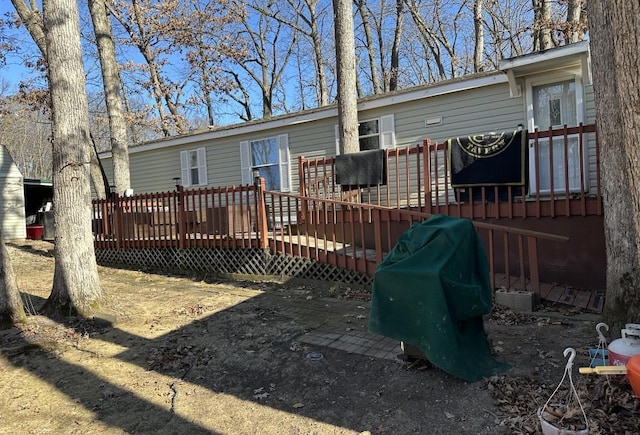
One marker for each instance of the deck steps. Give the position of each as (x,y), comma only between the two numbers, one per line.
(588,300)
(584,299)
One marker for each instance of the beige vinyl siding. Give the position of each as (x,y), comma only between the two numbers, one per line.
(153,171)
(474,111)
(464,113)
(12,214)
(590,118)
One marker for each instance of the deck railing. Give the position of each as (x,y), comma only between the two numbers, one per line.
(222,217)
(565,181)
(358,235)
(355,236)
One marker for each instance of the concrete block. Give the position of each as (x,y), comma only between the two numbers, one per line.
(517,300)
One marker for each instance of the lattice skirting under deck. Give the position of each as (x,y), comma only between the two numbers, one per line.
(235,261)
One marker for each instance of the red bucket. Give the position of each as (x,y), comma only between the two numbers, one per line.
(35,232)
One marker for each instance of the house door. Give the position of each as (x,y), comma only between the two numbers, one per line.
(554,105)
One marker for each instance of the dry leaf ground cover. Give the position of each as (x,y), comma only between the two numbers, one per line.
(180,355)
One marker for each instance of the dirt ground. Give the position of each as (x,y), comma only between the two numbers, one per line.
(179,355)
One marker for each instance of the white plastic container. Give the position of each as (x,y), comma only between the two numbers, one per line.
(622,349)
(551,429)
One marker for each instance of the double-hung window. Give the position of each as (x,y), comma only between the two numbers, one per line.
(373,134)
(193,165)
(553,104)
(270,157)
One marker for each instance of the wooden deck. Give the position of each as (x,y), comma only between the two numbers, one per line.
(583,299)
(591,301)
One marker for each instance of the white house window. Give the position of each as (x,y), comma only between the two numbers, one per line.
(554,104)
(270,156)
(373,134)
(369,135)
(193,165)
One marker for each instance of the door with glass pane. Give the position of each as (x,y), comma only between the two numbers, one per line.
(558,166)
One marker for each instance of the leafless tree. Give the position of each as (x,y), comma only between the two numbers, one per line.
(368,44)
(147,24)
(39,100)
(395,48)
(111,85)
(439,34)
(270,44)
(508,30)
(26,133)
(478,27)
(76,286)
(207,45)
(191,70)
(306,17)
(542,25)
(575,26)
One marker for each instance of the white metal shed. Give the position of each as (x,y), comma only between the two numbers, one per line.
(12,218)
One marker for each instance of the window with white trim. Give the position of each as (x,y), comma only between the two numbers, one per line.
(270,156)
(193,164)
(373,134)
(553,102)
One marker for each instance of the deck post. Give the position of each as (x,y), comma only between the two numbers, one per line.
(262,212)
(377,231)
(182,216)
(302,188)
(426,176)
(534,272)
(117,220)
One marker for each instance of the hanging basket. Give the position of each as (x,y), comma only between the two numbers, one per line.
(553,424)
(564,417)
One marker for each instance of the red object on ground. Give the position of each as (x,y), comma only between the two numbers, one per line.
(633,374)
(35,232)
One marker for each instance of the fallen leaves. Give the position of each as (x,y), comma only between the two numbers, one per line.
(609,405)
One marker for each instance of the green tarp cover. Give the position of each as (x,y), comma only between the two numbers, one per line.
(432,290)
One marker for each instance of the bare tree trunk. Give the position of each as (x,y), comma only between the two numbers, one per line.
(76,286)
(111,84)
(427,36)
(100,186)
(478,27)
(323,91)
(346,69)
(575,26)
(615,60)
(33,22)
(542,25)
(138,32)
(309,16)
(366,28)
(395,49)
(11,308)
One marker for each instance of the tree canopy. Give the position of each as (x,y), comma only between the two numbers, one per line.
(189,64)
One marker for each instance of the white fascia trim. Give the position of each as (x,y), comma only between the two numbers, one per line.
(233,130)
(448,87)
(577,48)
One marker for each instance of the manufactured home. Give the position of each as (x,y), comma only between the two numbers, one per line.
(12,212)
(539,90)
(545,99)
